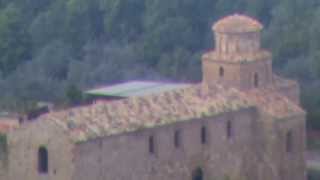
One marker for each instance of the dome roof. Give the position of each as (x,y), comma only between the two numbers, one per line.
(237,24)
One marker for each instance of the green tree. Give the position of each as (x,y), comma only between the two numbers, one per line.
(48,26)
(84,21)
(123,19)
(74,95)
(14,42)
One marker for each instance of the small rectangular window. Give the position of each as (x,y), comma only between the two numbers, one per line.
(177,138)
(203,135)
(151,144)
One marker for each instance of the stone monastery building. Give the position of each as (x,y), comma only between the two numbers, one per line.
(242,122)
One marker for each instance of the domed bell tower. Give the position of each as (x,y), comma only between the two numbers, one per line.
(238,60)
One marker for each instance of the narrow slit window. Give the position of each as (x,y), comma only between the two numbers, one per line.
(289,142)
(177,138)
(43,160)
(221,72)
(256,80)
(229,129)
(151,145)
(203,135)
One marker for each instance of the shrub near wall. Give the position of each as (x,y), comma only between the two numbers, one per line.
(3,146)
(313,174)
(3,157)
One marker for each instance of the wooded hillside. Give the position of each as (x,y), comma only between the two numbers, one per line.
(48,47)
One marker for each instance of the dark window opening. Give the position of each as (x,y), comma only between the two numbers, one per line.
(229,129)
(203,135)
(20,120)
(151,145)
(177,138)
(256,80)
(221,72)
(289,142)
(43,160)
(197,174)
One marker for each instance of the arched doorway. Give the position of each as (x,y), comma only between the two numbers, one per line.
(197,174)
(43,160)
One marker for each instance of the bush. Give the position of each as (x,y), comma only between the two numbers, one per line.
(311,103)
(313,174)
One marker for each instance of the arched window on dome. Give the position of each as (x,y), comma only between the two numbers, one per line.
(256,80)
(221,72)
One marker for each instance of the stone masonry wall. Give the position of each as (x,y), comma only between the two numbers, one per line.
(237,43)
(238,75)
(211,74)
(274,161)
(248,70)
(126,157)
(24,144)
(292,163)
(291,91)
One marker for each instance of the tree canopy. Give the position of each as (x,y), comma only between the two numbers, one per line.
(51,48)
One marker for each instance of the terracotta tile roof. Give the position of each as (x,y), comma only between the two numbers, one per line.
(282,82)
(194,102)
(110,118)
(237,24)
(6,125)
(273,103)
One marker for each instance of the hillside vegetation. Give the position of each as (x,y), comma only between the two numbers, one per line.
(50,46)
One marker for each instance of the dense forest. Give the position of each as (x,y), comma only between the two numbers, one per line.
(51,48)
